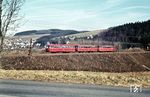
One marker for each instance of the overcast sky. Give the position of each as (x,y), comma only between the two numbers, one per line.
(82,14)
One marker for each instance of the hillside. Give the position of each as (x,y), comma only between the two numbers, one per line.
(56,32)
(96,62)
(138,32)
(44,36)
(79,35)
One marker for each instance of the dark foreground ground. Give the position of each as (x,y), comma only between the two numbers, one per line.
(97,62)
(12,88)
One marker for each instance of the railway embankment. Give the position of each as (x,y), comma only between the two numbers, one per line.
(96,62)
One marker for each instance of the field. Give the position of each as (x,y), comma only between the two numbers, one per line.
(95,62)
(83,77)
(114,69)
(85,34)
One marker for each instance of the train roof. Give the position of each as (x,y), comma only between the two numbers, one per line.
(79,45)
(62,44)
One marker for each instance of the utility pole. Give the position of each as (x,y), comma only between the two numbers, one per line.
(30,48)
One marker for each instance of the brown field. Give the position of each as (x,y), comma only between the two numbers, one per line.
(84,77)
(96,62)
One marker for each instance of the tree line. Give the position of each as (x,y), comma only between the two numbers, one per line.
(138,32)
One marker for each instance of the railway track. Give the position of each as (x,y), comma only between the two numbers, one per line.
(91,53)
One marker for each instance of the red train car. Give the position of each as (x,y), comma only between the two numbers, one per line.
(68,48)
(57,48)
(107,48)
(87,48)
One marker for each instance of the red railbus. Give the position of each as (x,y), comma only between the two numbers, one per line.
(68,48)
(87,48)
(56,48)
(107,48)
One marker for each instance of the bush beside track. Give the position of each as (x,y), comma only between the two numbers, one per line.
(113,62)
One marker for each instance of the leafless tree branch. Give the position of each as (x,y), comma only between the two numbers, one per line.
(9,16)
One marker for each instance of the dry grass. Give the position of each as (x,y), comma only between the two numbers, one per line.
(79,35)
(98,62)
(99,78)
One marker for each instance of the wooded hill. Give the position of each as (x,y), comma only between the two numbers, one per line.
(130,33)
(138,32)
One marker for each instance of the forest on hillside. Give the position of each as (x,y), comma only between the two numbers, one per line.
(138,32)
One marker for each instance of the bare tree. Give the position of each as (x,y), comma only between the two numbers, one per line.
(9,16)
(1,25)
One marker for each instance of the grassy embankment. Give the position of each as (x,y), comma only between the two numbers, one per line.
(96,62)
(108,62)
(98,78)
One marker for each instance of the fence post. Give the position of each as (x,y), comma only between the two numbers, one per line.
(30,48)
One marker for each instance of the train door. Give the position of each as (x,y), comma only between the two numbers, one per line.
(76,48)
